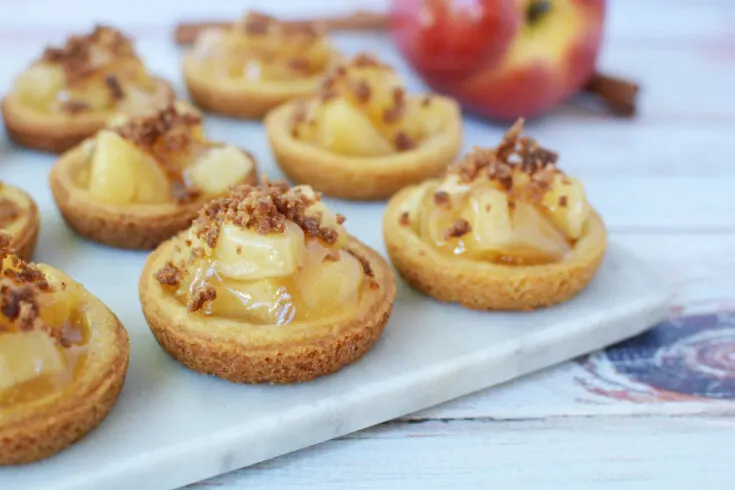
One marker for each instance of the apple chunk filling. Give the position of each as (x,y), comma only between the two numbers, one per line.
(43,333)
(508,205)
(269,256)
(92,73)
(260,48)
(363,110)
(160,158)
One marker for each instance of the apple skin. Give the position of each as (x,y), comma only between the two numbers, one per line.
(489,56)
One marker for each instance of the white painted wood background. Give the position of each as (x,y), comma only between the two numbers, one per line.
(664,182)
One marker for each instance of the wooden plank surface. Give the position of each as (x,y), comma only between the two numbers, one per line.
(665,184)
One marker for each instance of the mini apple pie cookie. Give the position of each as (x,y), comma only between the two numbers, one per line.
(503,229)
(362,136)
(68,94)
(267,286)
(256,64)
(19,219)
(143,179)
(63,359)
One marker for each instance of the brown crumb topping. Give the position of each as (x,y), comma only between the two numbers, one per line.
(9,211)
(404,219)
(341,75)
(167,135)
(362,91)
(394,113)
(442,199)
(264,209)
(515,152)
(460,228)
(403,141)
(563,201)
(201,296)
(259,24)
(169,275)
(116,89)
(367,268)
(148,130)
(299,65)
(74,106)
(363,60)
(79,57)
(21,285)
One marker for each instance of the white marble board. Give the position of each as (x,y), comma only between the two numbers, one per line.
(172,426)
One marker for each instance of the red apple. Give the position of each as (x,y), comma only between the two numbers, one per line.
(502,59)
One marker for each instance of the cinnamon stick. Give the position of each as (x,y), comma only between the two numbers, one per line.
(187,32)
(617,93)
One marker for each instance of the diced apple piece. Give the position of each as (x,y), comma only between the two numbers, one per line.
(383,84)
(329,219)
(413,204)
(94,93)
(121,174)
(454,186)
(421,120)
(567,204)
(439,215)
(327,284)
(263,301)
(58,304)
(27,355)
(535,237)
(208,42)
(247,255)
(343,129)
(438,218)
(218,169)
(523,233)
(487,212)
(40,84)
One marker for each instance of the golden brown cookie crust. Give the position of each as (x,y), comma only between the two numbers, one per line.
(240,99)
(24,231)
(486,286)
(39,429)
(243,353)
(135,226)
(363,178)
(57,133)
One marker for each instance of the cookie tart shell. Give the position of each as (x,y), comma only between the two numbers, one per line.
(38,429)
(363,178)
(132,226)
(483,285)
(249,353)
(57,133)
(24,230)
(240,99)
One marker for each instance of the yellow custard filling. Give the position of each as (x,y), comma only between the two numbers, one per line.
(508,205)
(159,158)
(259,48)
(362,110)
(98,72)
(43,332)
(267,256)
